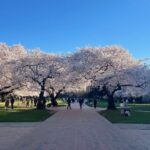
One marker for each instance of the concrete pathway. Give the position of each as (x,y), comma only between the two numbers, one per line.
(78,130)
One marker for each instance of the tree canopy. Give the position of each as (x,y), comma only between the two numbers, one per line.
(111,70)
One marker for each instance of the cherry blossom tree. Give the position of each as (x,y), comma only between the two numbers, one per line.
(109,68)
(38,68)
(123,73)
(9,79)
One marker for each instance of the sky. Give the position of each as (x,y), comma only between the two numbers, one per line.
(62,26)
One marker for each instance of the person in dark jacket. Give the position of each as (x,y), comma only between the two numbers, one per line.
(7,104)
(12,100)
(95,103)
(81,101)
(68,103)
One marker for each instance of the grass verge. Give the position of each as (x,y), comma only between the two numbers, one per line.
(136,117)
(24,115)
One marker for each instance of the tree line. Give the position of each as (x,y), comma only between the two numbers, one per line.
(111,70)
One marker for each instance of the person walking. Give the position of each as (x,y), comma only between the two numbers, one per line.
(7,103)
(27,101)
(35,100)
(95,103)
(68,103)
(12,100)
(81,102)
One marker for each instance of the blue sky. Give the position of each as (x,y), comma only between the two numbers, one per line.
(61,26)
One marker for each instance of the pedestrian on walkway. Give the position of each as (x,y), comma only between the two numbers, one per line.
(81,102)
(7,103)
(31,101)
(35,100)
(95,103)
(68,103)
(27,101)
(12,100)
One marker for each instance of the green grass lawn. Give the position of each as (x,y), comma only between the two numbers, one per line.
(19,104)
(140,113)
(134,106)
(138,117)
(16,105)
(61,103)
(24,115)
(140,107)
(101,103)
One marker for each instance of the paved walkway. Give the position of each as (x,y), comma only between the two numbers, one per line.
(78,130)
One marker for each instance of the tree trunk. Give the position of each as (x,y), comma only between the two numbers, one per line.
(54,102)
(111,103)
(41,99)
(54,97)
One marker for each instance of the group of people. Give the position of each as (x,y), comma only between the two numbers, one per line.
(81,102)
(31,101)
(28,101)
